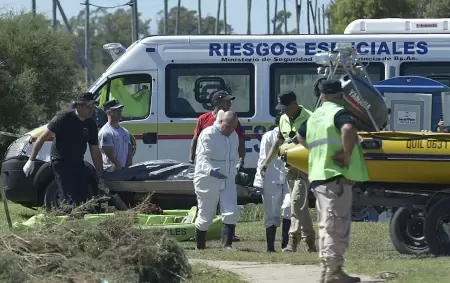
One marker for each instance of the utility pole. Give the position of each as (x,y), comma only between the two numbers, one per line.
(319,21)
(87,43)
(313,16)
(133,24)
(268,15)
(297,14)
(166,15)
(219,3)
(136,19)
(54,14)
(285,18)
(308,17)
(323,18)
(275,12)
(225,17)
(199,16)
(249,16)
(77,43)
(33,7)
(177,23)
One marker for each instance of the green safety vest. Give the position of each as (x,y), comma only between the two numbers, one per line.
(324,141)
(286,126)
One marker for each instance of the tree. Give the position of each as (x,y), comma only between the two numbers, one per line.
(37,71)
(343,12)
(279,22)
(189,23)
(105,28)
(436,9)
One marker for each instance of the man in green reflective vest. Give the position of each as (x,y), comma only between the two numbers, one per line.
(336,162)
(301,223)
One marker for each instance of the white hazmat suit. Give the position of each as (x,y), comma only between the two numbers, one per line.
(214,150)
(275,191)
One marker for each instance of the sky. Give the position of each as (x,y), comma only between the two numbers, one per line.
(236,11)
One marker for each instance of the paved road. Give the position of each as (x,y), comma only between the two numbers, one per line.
(255,272)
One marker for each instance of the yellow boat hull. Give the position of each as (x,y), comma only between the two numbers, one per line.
(395,157)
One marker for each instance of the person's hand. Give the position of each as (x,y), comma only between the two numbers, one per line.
(263,169)
(240,165)
(341,159)
(216,174)
(28,168)
(102,187)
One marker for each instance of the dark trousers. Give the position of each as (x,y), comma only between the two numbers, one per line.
(72,181)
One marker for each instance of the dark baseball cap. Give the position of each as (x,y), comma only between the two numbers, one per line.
(330,87)
(221,95)
(85,98)
(112,105)
(284,99)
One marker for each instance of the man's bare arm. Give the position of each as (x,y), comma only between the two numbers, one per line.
(349,137)
(241,149)
(130,156)
(97,159)
(301,140)
(46,135)
(110,152)
(193,148)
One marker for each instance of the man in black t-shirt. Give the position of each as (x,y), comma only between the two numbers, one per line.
(72,130)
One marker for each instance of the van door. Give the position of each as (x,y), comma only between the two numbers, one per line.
(134,91)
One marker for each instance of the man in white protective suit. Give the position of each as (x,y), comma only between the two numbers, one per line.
(275,191)
(214,178)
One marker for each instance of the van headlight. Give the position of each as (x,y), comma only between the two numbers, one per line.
(18,147)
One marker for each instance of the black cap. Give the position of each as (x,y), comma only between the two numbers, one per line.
(112,104)
(85,98)
(284,99)
(330,86)
(221,95)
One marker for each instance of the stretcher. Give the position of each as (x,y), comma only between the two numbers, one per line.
(179,224)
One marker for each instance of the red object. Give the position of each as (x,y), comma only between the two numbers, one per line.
(208,119)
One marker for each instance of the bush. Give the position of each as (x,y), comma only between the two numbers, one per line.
(75,251)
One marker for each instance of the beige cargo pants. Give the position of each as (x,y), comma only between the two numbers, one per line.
(301,222)
(334,211)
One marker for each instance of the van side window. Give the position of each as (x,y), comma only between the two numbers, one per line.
(132,91)
(438,71)
(301,78)
(188,88)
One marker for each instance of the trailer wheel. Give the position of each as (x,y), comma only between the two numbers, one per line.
(437,227)
(406,231)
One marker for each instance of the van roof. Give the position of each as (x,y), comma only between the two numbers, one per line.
(398,26)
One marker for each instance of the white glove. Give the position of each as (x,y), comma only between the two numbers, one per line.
(28,168)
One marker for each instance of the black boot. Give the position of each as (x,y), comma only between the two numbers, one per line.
(271,232)
(200,239)
(285,232)
(227,235)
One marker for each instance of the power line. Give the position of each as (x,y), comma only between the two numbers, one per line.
(129,3)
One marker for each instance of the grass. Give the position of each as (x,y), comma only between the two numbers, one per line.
(370,253)
(204,273)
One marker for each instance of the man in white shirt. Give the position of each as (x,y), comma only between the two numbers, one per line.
(115,140)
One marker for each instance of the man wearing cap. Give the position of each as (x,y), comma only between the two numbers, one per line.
(72,129)
(301,223)
(115,140)
(336,162)
(221,99)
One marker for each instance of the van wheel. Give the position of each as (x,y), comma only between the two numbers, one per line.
(406,231)
(53,197)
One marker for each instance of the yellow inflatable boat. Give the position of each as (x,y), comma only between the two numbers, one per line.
(394,157)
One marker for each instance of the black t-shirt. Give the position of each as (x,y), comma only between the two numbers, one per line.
(71,136)
(341,118)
